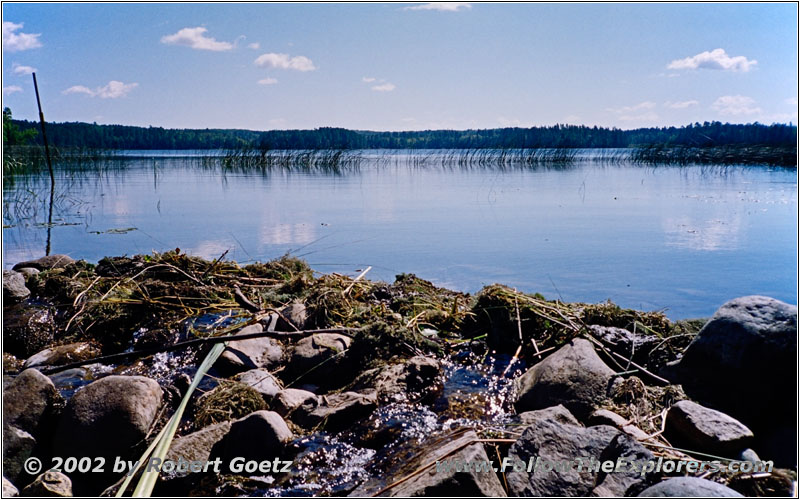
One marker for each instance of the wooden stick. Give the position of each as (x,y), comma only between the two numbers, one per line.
(363,273)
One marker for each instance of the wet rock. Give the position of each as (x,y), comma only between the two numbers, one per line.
(27,330)
(441,483)
(55,261)
(696,427)
(262,381)
(63,354)
(311,357)
(336,411)
(573,376)
(625,342)
(14,289)
(198,445)
(561,445)
(750,335)
(9,490)
(49,484)
(748,455)
(288,400)
(30,401)
(258,436)
(242,355)
(17,447)
(107,418)
(414,379)
(688,487)
(296,315)
(554,413)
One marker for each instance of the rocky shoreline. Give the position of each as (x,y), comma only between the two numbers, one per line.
(359,388)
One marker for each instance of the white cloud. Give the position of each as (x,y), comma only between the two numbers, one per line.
(11,89)
(572,119)
(19,69)
(254,45)
(283,61)
(441,6)
(368,79)
(384,87)
(792,101)
(196,39)
(511,122)
(646,117)
(630,109)
(268,81)
(112,90)
(14,42)
(715,59)
(681,104)
(736,105)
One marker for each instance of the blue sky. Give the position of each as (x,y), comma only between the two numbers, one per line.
(402,66)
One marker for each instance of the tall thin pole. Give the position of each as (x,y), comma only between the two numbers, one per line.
(49,165)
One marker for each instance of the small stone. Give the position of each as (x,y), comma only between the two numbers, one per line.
(17,447)
(242,355)
(197,446)
(258,436)
(55,261)
(28,272)
(337,411)
(554,413)
(9,490)
(49,484)
(63,354)
(296,315)
(262,381)
(14,289)
(29,399)
(288,400)
(689,487)
(706,430)
(311,356)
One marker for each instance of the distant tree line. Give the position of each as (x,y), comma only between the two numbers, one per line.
(92,135)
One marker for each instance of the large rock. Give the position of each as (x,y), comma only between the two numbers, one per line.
(9,490)
(289,400)
(336,411)
(17,447)
(49,484)
(561,444)
(696,427)
(27,329)
(293,317)
(243,355)
(743,362)
(689,487)
(573,376)
(311,358)
(456,481)
(107,418)
(625,342)
(30,401)
(262,381)
(557,414)
(55,261)
(63,354)
(14,289)
(413,380)
(259,436)
(197,446)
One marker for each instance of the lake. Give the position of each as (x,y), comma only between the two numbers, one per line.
(679,239)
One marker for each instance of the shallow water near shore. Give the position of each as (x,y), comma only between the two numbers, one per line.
(682,239)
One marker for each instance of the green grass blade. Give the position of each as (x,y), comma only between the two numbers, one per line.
(148,480)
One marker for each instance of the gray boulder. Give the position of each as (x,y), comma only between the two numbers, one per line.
(752,335)
(259,436)
(560,445)
(17,447)
(27,329)
(689,487)
(625,342)
(696,427)
(243,355)
(28,272)
(293,317)
(198,445)
(557,414)
(336,411)
(288,400)
(573,376)
(29,401)
(63,354)
(9,490)
(49,484)
(107,418)
(312,357)
(456,481)
(412,380)
(55,261)
(608,417)
(262,381)
(14,289)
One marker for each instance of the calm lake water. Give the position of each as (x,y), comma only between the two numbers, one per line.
(679,239)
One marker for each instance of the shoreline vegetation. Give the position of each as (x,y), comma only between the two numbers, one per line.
(707,143)
(363,386)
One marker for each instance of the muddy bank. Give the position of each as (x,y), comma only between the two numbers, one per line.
(354,387)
